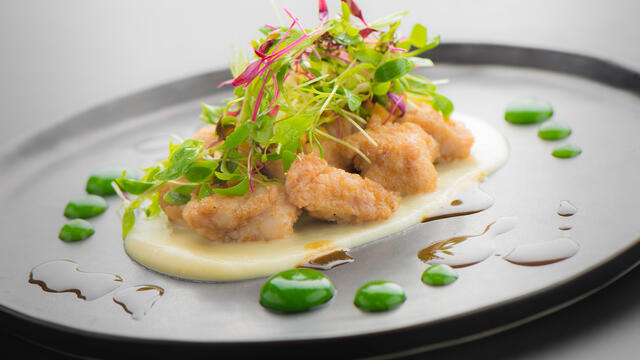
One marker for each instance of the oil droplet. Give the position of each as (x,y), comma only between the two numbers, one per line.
(329,260)
(60,276)
(439,275)
(379,296)
(470,202)
(528,110)
(467,250)
(138,300)
(296,290)
(543,253)
(565,227)
(566,208)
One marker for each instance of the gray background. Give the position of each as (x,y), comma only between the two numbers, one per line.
(62,57)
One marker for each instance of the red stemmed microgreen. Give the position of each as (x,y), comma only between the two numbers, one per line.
(296,83)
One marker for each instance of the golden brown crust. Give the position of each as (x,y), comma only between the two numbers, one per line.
(333,194)
(402,160)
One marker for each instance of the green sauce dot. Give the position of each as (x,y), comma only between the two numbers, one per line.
(439,274)
(379,296)
(85,207)
(528,110)
(76,230)
(296,290)
(553,130)
(566,151)
(99,182)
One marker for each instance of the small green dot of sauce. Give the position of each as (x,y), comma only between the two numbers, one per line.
(85,207)
(566,151)
(439,274)
(76,230)
(296,290)
(379,296)
(528,110)
(553,130)
(99,182)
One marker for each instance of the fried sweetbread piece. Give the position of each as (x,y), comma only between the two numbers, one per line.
(207,134)
(401,160)
(262,215)
(454,138)
(333,194)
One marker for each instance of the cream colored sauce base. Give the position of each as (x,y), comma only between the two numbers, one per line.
(180,252)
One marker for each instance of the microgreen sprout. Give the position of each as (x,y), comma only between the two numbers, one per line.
(297,81)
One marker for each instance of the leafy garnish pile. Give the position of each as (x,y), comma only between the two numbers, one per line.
(297,80)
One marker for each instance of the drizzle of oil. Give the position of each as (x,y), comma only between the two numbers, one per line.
(329,260)
(461,251)
(61,276)
(472,201)
(566,208)
(543,253)
(138,300)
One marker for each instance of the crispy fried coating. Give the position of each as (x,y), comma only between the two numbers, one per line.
(402,160)
(454,138)
(206,134)
(333,194)
(262,215)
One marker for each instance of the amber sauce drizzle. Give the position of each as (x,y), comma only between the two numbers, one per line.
(472,201)
(548,252)
(60,276)
(461,251)
(138,300)
(329,260)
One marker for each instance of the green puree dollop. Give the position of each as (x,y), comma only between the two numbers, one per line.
(85,207)
(439,274)
(379,296)
(76,230)
(296,290)
(528,110)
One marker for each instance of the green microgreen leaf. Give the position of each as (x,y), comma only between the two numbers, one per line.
(418,37)
(179,195)
(392,69)
(237,190)
(367,55)
(200,171)
(211,114)
(353,100)
(381,88)
(418,61)
(205,191)
(238,135)
(180,159)
(133,187)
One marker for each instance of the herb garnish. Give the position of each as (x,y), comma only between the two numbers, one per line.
(298,80)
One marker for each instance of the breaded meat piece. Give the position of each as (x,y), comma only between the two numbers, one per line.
(336,154)
(262,215)
(333,194)
(173,212)
(206,134)
(454,138)
(403,159)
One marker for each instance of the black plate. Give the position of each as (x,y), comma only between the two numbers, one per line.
(598,99)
